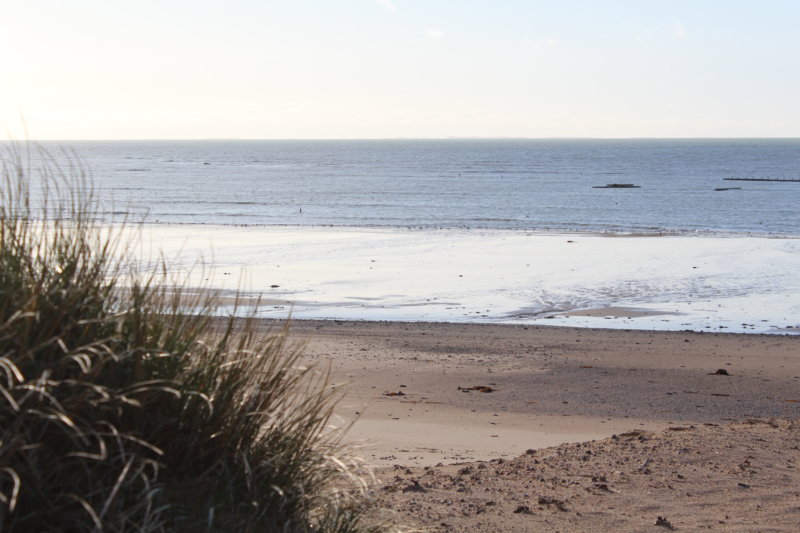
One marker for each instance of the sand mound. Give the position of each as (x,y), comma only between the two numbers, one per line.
(738,477)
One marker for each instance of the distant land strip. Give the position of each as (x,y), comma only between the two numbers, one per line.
(795,180)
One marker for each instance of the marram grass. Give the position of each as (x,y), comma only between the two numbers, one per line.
(126,405)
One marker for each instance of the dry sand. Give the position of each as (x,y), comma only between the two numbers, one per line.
(735,477)
(683,406)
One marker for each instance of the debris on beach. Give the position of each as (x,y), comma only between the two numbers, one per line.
(479,388)
(663,522)
(720,372)
(414,486)
(398,393)
(558,504)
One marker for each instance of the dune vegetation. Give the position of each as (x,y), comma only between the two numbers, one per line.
(127,404)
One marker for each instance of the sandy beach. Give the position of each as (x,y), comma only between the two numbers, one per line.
(620,426)
(481,408)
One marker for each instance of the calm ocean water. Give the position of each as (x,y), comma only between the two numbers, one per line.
(499,184)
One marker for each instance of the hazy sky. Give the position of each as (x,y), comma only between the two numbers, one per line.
(107,69)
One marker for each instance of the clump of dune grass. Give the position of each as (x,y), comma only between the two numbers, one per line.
(127,405)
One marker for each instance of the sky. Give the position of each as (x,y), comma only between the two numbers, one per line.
(324,69)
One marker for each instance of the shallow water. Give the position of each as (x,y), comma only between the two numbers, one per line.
(742,284)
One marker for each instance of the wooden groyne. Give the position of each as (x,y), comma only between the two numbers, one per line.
(794,180)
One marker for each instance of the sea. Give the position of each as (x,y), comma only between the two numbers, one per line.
(511,231)
(514,184)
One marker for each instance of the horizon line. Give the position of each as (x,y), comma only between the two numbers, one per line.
(449,138)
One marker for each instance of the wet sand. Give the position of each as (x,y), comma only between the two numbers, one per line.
(410,384)
(616,312)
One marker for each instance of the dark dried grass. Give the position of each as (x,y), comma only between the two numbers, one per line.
(122,406)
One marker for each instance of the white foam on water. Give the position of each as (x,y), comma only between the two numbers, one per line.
(726,283)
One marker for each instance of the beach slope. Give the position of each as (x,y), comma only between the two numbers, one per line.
(522,428)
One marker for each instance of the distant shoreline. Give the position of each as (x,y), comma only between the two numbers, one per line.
(435,228)
(389,139)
